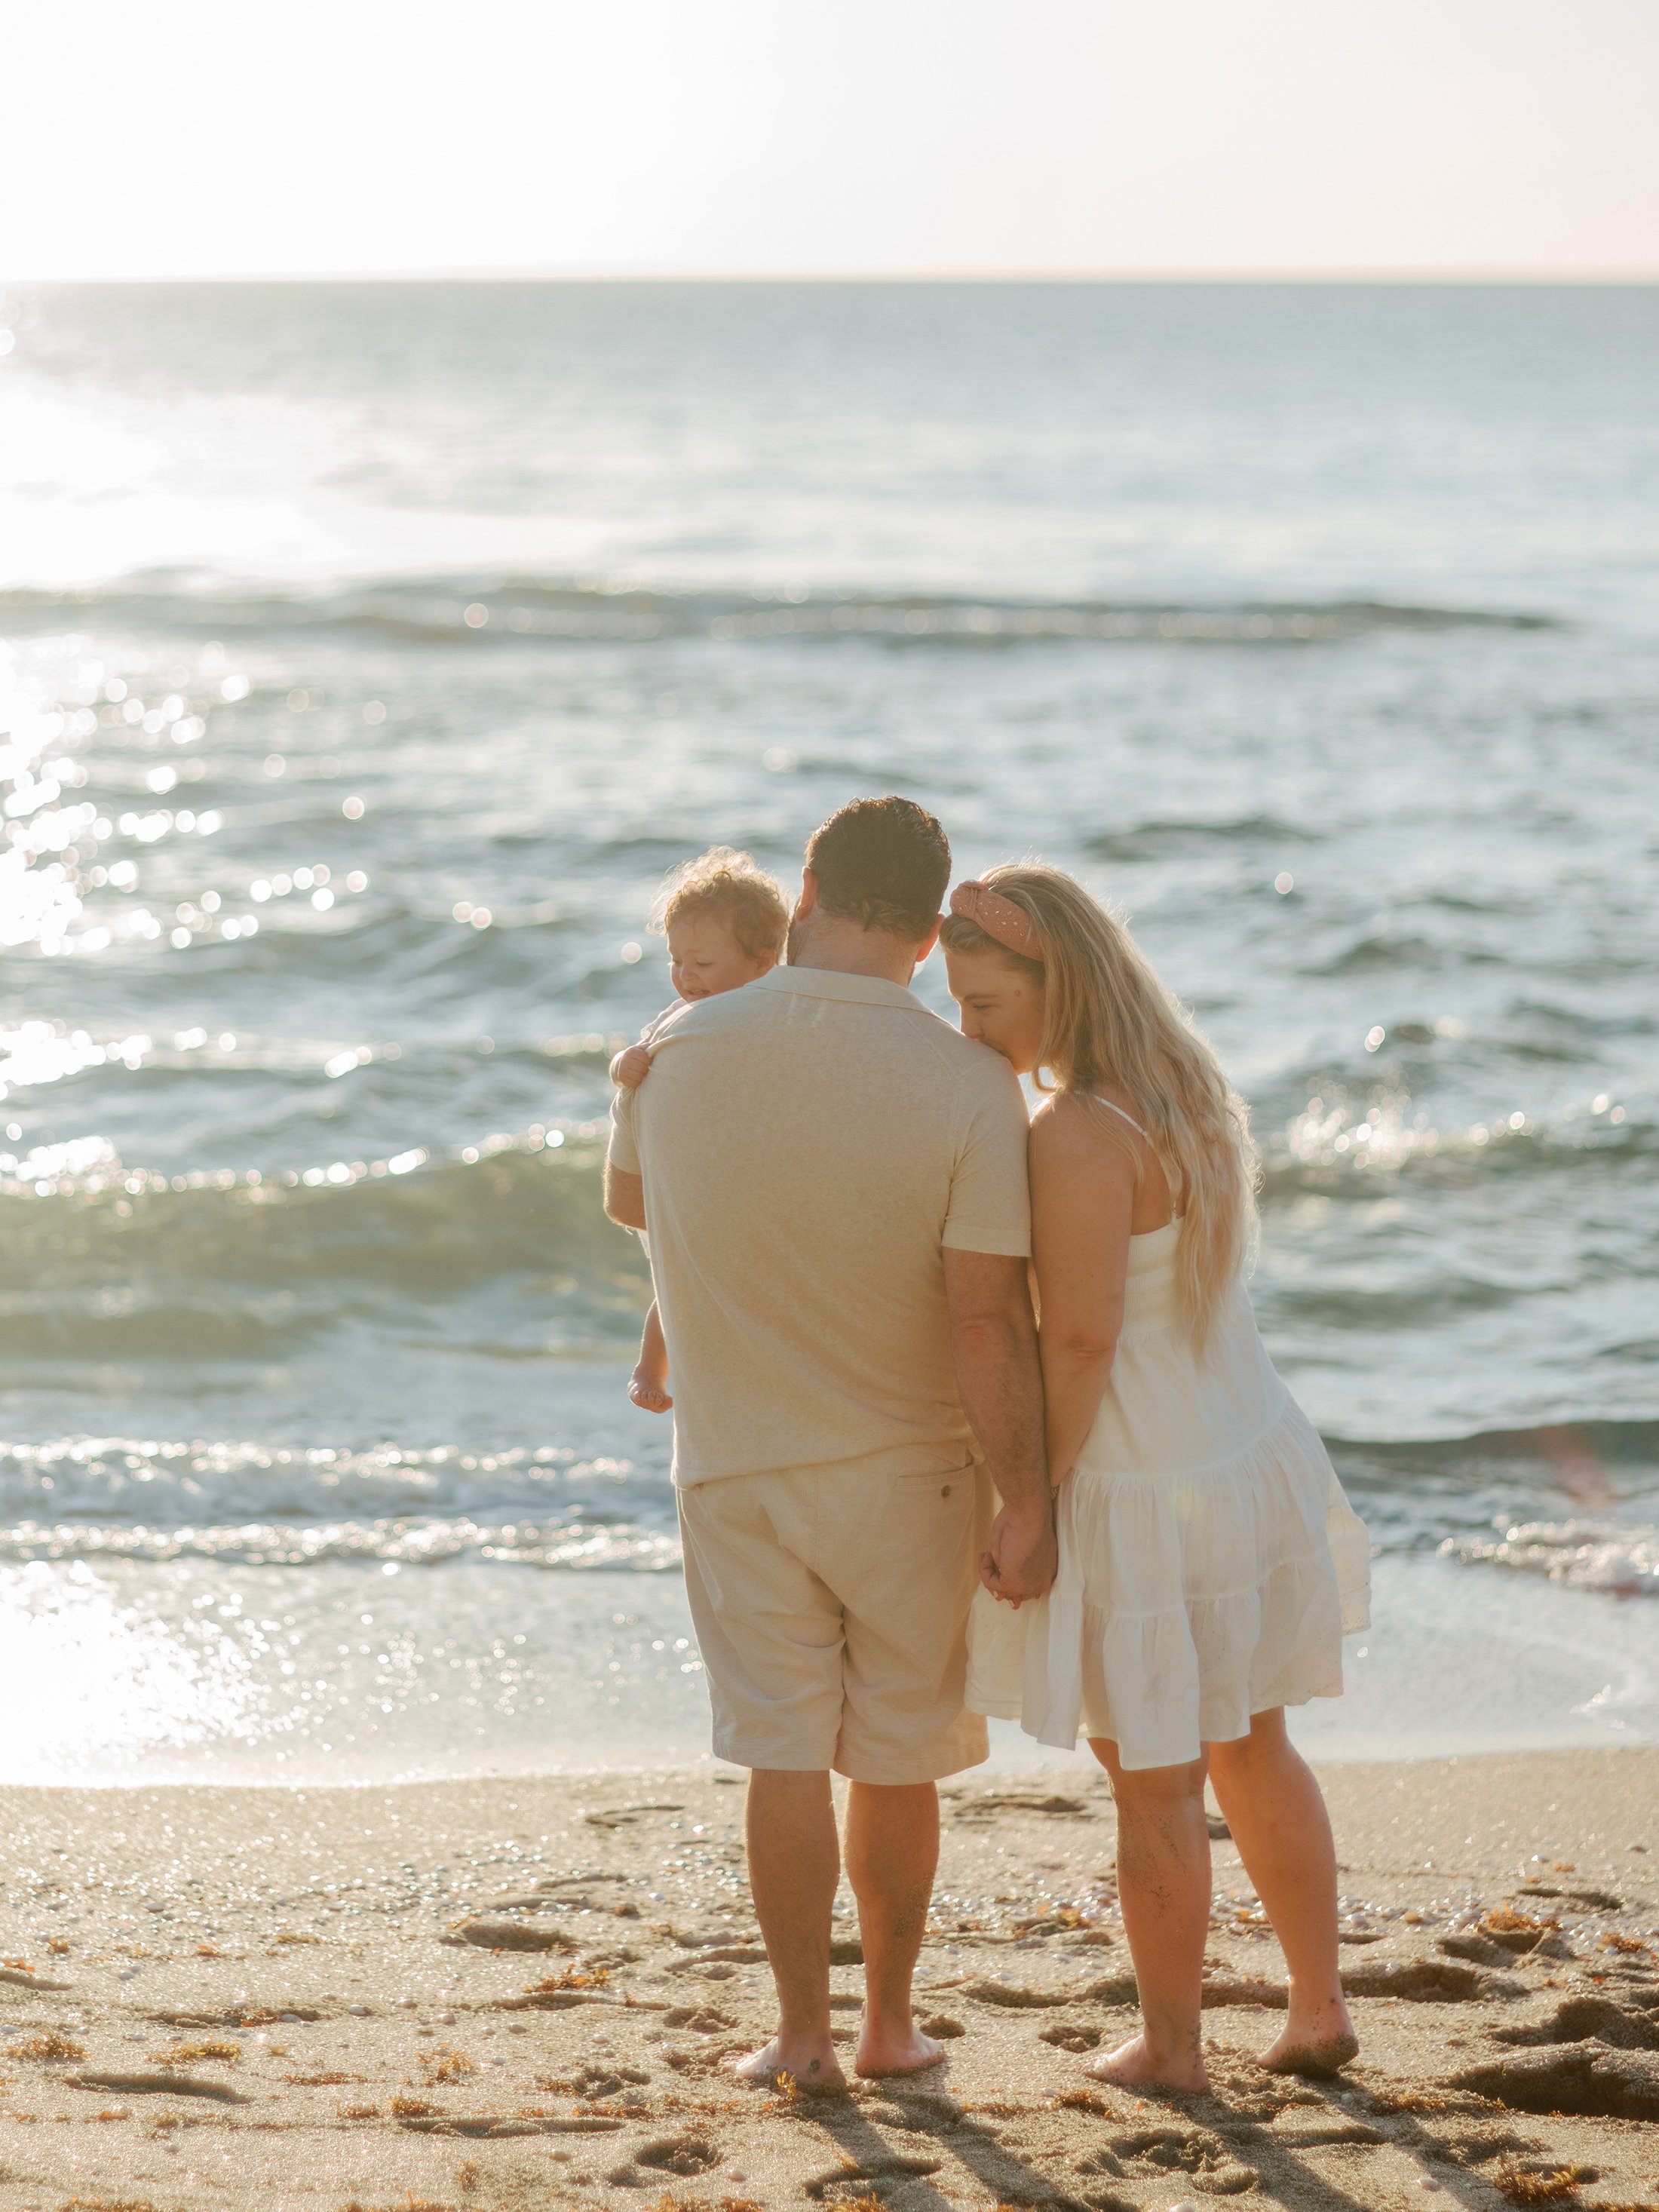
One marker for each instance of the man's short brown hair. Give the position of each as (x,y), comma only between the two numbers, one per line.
(731,886)
(883,863)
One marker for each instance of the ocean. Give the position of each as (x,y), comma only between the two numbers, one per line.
(371,651)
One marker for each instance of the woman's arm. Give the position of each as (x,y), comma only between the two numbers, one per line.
(1083,1192)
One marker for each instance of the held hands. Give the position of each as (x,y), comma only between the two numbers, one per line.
(1022,1557)
(631,1067)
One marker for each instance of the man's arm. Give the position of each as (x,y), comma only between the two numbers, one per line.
(993,1344)
(625,1196)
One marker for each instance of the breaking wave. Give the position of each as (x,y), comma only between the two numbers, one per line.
(102,1260)
(1583,1554)
(492,609)
(1577,1503)
(574,1543)
(1354,1135)
(108,1498)
(103,1498)
(426,1217)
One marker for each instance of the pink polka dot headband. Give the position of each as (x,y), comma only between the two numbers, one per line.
(998,917)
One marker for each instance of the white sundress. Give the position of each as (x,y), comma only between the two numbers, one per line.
(1209,1562)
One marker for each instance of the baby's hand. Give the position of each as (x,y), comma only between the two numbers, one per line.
(631,1067)
(647,1393)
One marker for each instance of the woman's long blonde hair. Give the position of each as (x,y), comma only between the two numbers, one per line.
(1109,1020)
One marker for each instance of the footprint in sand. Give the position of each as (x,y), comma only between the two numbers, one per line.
(176,2085)
(993,1803)
(1588,2078)
(852,2182)
(685,2155)
(701,2019)
(1421,1981)
(1145,2152)
(21,1978)
(1581,2019)
(492,1935)
(621,1816)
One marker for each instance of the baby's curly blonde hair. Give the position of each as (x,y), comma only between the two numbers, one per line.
(733,887)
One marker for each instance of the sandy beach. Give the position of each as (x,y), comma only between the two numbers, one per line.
(505,1993)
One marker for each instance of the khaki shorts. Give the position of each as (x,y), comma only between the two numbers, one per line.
(831,1611)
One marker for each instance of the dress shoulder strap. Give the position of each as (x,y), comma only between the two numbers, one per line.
(1121,1115)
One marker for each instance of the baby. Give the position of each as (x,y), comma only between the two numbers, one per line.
(726,922)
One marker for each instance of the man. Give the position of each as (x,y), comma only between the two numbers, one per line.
(835,1181)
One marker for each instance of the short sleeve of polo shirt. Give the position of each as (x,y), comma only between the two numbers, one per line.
(623,1152)
(990,1207)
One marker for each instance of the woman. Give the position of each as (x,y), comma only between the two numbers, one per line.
(1208,1560)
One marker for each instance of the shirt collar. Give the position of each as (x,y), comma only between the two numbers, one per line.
(833,983)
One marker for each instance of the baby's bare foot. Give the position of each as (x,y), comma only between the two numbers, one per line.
(1134,2065)
(648,1394)
(809,2070)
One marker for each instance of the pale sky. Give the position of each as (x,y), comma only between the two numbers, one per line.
(205,138)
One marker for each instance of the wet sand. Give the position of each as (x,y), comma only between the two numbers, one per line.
(511,1994)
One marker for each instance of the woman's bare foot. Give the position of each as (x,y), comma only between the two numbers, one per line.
(648,1394)
(1135,2065)
(812,2068)
(909,2053)
(1321,2043)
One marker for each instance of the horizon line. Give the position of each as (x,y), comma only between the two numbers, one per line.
(521,274)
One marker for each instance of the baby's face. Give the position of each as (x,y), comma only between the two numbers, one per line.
(705,957)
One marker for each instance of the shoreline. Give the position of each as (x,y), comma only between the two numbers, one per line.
(606,1679)
(496,1993)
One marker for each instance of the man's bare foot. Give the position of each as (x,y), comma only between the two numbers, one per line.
(908,2052)
(1320,2046)
(1133,2065)
(813,2070)
(648,1394)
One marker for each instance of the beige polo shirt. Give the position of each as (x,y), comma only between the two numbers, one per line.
(809,1144)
